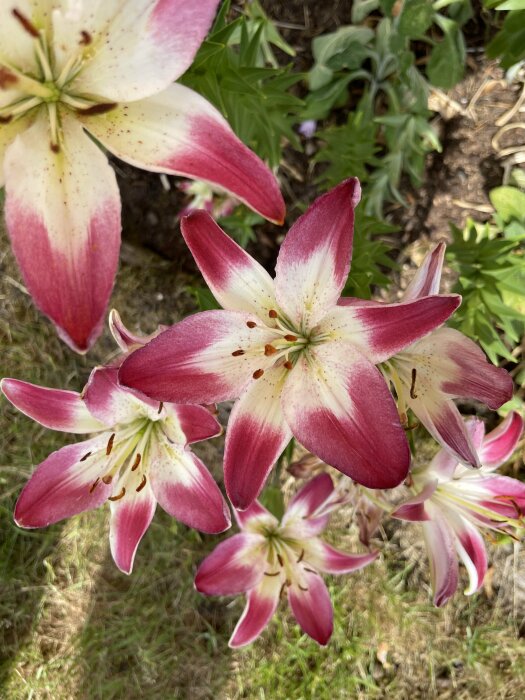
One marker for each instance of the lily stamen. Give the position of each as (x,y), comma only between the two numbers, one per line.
(109,446)
(26,23)
(118,496)
(142,484)
(413,394)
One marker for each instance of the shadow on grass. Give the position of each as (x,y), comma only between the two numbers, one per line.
(151,635)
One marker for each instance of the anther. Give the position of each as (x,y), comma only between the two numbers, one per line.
(280,560)
(291,338)
(301,556)
(101,108)
(413,426)
(118,496)
(109,446)
(142,484)
(288,364)
(86,38)
(310,571)
(7,78)
(303,588)
(237,353)
(136,462)
(5,120)
(269,350)
(26,24)
(54,147)
(83,459)
(272,313)
(107,479)
(276,573)
(251,324)
(413,394)
(258,373)
(94,485)
(161,406)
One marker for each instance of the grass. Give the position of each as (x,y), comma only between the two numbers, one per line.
(72,626)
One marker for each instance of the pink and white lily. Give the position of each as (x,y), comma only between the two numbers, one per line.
(301,364)
(203,196)
(268,558)
(105,69)
(138,456)
(453,503)
(429,374)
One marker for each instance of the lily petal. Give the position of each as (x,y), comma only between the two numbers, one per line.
(112,403)
(310,497)
(312,608)
(442,555)
(501,442)
(8,133)
(427,279)
(260,608)
(186,424)
(314,259)
(130,518)
(61,485)
(126,340)
(235,565)
(471,549)
(413,509)
(193,361)
(63,218)
(180,133)
(257,434)
(504,495)
(54,408)
(253,516)
(325,558)
(16,42)
(185,489)
(236,280)
(135,49)
(383,330)
(338,406)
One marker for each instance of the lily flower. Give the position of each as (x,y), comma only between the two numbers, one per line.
(301,364)
(445,365)
(453,503)
(139,456)
(105,68)
(203,196)
(268,558)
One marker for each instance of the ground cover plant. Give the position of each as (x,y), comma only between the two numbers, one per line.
(335,447)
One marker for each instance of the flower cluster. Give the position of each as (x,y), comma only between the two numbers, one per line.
(345,377)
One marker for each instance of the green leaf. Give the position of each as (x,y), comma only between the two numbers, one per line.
(446,64)
(327,46)
(509,202)
(416,17)
(204,298)
(272,499)
(511,5)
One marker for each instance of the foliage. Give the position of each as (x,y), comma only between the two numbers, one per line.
(509,43)
(231,71)
(491,275)
(391,118)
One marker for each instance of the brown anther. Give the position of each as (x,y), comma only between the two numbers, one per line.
(276,573)
(161,406)
(237,353)
(142,484)
(251,324)
(107,479)
(54,147)
(303,588)
(258,373)
(109,446)
(288,364)
(7,78)
(282,590)
(272,313)
(413,394)
(301,556)
(26,24)
(101,108)
(409,481)
(118,496)
(83,459)
(310,571)
(269,350)
(5,120)
(291,338)
(136,462)
(94,485)
(86,38)
(280,560)
(413,426)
